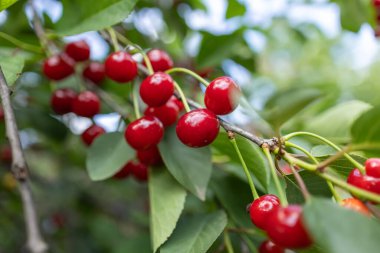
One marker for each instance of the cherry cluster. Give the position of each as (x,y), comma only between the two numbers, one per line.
(370,181)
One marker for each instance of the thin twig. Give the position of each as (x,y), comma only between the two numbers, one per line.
(300,182)
(35,242)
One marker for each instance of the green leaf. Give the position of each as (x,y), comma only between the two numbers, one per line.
(252,154)
(107,155)
(12,67)
(342,115)
(167,199)
(366,131)
(285,104)
(338,230)
(197,234)
(234,8)
(215,49)
(6,3)
(82,16)
(190,166)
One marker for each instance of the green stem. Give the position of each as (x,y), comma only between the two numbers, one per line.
(182,95)
(353,161)
(290,159)
(281,192)
(247,174)
(227,242)
(189,72)
(308,154)
(20,43)
(112,33)
(135,101)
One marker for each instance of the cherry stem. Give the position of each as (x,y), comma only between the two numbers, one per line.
(227,242)
(112,34)
(189,72)
(135,101)
(300,183)
(232,139)
(308,154)
(272,166)
(353,161)
(21,44)
(182,96)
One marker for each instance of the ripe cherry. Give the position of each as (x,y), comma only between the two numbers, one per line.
(372,167)
(376,3)
(78,50)
(94,72)
(285,228)
(160,60)
(166,113)
(120,67)
(197,128)
(355,178)
(356,205)
(262,208)
(150,156)
(58,67)
(365,182)
(91,133)
(62,99)
(139,171)
(125,171)
(144,133)
(270,247)
(222,95)
(156,89)
(86,104)
(177,102)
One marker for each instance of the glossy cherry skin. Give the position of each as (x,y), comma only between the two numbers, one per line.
(150,156)
(285,228)
(356,205)
(372,167)
(160,60)
(222,95)
(120,67)
(94,72)
(156,89)
(78,50)
(177,102)
(167,113)
(62,99)
(91,133)
(58,67)
(86,104)
(261,209)
(355,178)
(140,171)
(197,128)
(125,171)
(144,133)
(270,247)
(365,182)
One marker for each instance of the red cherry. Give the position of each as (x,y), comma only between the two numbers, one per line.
(125,171)
(144,133)
(222,95)
(285,228)
(177,102)
(356,205)
(160,60)
(372,167)
(262,208)
(120,67)
(355,178)
(376,3)
(156,89)
(62,99)
(166,113)
(86,104)
(78,50)
(94,72)
(197,128)
(270,247)
(140,171)
(91,133)
(365,182)
(6,154)
(58,67)
(150,156)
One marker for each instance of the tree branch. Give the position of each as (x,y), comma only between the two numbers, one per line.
(35,242)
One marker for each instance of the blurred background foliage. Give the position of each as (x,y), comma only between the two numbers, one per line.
(302,65)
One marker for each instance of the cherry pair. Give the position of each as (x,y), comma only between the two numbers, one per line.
(371,180)
(283,225)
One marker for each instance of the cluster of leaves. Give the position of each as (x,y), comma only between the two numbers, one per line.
(201,193)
